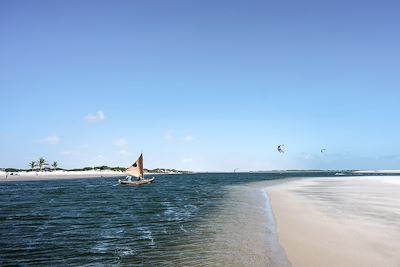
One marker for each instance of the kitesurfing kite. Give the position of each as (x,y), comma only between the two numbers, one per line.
(280,149)
(236,169)
(323,150)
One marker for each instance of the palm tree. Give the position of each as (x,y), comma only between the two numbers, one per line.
(32,164)
(41,163)
(54,165)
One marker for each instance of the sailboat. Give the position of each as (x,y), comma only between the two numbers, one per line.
(136,170)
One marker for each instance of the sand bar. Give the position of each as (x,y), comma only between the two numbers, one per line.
(56,175)
(343,221)
(378,172)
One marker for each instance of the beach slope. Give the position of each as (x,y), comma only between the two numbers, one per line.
(345,221)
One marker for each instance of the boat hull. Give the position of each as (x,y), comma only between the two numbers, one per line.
(136,183)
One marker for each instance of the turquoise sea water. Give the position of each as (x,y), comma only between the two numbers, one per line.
(181,220)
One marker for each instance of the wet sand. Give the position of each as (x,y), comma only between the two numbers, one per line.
(344,221)
(240,231)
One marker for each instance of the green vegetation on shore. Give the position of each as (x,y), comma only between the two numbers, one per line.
(42,165)
(122,169)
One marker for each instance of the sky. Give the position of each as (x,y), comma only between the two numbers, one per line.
(201,85)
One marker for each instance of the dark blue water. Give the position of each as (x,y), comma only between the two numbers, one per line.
(97,222)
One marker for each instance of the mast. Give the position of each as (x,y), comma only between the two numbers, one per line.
(141,169)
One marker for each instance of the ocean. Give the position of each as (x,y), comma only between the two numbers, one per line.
(204,219)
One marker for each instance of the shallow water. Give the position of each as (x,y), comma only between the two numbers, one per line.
(181,220)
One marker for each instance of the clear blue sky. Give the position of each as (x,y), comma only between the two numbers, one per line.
(201,85)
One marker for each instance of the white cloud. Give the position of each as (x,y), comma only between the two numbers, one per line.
(51,140)
(188,138)
(168,136)
(124,152)
(99,156)
(120,142)
(99,116)
(187,160)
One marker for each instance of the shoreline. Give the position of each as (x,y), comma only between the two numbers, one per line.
(62,175)
(346,221)
(377,172)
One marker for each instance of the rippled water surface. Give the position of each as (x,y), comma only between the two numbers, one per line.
(181,220)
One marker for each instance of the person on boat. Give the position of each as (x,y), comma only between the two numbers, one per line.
(129,178)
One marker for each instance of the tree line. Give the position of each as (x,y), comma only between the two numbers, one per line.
(41,163)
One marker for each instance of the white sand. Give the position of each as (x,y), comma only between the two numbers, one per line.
(54,175)
(345,221)
(377,171)
(59,175)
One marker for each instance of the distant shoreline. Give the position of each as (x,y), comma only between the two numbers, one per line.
(312,171)
(377,171)
(62,175)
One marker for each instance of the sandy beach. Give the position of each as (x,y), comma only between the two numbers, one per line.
(346,221)
(377,172)
(54,175)
(58,175)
